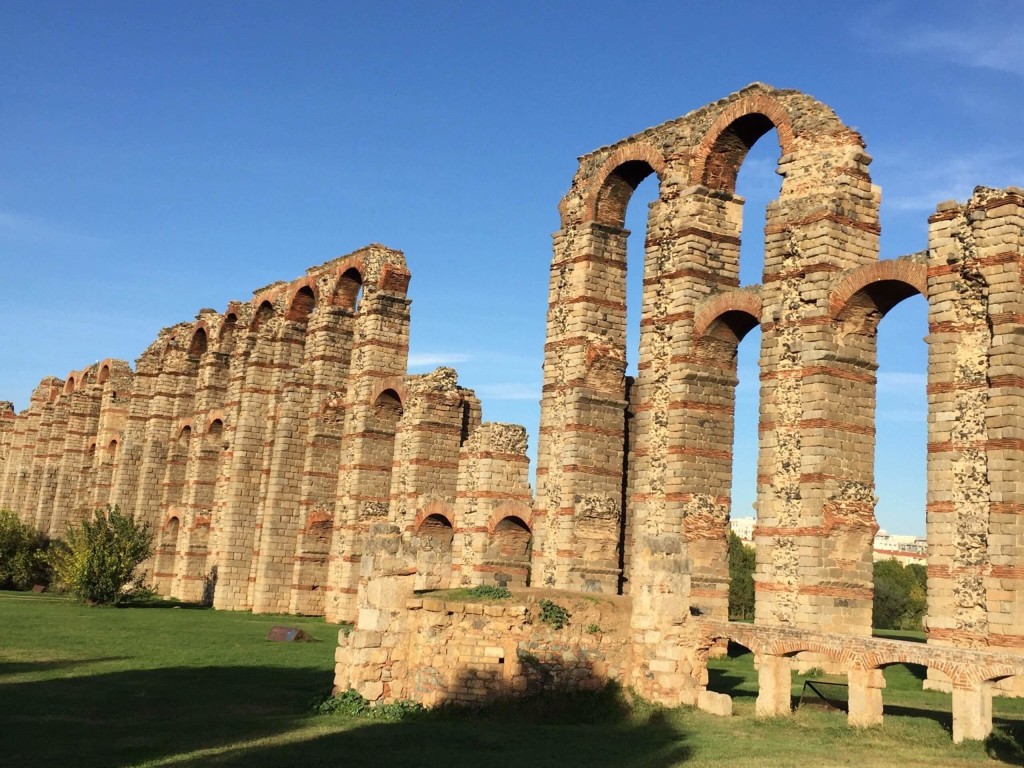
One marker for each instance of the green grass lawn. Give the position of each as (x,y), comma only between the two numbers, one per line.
(158,686)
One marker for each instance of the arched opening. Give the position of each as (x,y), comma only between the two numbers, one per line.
(887,419)
(303,304)
(721,565)
(731,671)
(104,374)
(508,552)
(434,553)
(227,332)
(69,385)
(198,345)
(216,427)
(757,184)
(111,450)
(350,290)
(262,316)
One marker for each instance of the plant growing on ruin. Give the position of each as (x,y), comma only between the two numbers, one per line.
(22,554)
(351,703)
(489,592)
(98,559)
(552,614)
(593,629)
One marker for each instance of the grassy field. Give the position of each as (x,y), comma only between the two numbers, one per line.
(165,686)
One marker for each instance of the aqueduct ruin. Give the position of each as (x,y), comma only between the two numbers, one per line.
(290,464)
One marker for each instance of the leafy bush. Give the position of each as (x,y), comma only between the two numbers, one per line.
(23,560)
(350,703)
(552,614)
(98,558)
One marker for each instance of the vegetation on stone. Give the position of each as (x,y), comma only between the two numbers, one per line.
(552,614)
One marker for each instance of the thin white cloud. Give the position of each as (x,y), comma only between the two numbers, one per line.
(508,391)
(434,359)
(987,35)
(920,182)
(25,228)
(980,40)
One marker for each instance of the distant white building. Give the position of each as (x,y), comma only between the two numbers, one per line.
(743,527)
(905,549)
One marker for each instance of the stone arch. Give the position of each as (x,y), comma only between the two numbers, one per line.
(264,313)
(874,289)
(215,422)
(227,329)
(389,393)
(719,155)
(431,508)
(509,545)
(791,648)
(103,375)
(70,385)
(200,340)
(727,316)
(303,301)
(348,288)
(615,182)
(434,536)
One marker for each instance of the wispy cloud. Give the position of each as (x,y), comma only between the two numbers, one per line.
(918,184)
(434,359)
(987,36)
(980,40)
(26,228)
(509,391)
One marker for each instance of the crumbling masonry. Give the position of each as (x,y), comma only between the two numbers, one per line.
(289,464)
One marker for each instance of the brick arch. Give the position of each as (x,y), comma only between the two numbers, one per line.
(395,384)
(879,286)
(431,508)
(510,509)
(317,518)
(885,658)
(349,279)
(299,309)
(200,341)
(215,415)
(265,311)
(171,518)
(737,636)
(612,186)
(716,159)
(738,310)
(791,647)
(995,672)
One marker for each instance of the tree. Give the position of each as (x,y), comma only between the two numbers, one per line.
(742,559)
(98,558)
(22,554)
(900,595)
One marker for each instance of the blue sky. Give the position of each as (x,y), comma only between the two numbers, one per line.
(156,158)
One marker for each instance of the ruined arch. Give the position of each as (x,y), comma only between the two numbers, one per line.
(872,290)
(264,313)
(103,375)
(434,536)
(303,303)
(349,289)
(197,347)
(615,182)
(727,317)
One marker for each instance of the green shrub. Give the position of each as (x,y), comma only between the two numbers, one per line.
(489,592)
(594,629)
(350,703)
(23,560)
(552,614)
(98,558)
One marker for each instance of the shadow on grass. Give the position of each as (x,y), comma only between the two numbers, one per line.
(162,602)
(1006,742)
(260,716)
(21,667)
